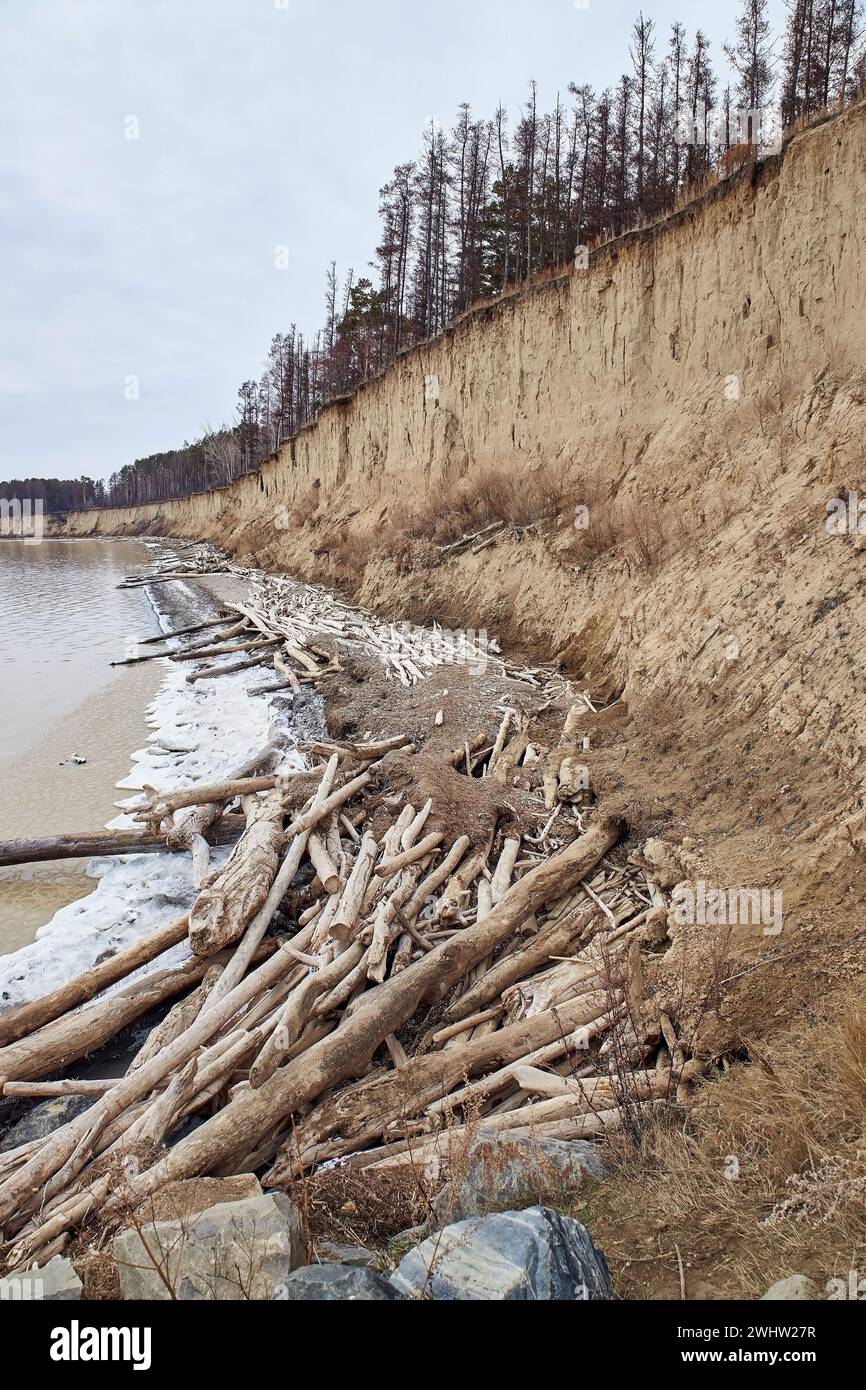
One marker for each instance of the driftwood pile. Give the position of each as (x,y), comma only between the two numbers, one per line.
(290,614)
(440,980)
(359,982)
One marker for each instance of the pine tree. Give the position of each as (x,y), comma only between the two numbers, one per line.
(751,59)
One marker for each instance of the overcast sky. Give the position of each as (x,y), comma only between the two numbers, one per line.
(260,124)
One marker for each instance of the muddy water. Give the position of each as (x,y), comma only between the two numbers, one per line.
(61,622)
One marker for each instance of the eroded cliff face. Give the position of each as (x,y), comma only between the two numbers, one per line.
(708,375)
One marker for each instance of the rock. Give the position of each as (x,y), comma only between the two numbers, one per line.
(42,1119)
(188,1196)
(508,1171)
(509,1256)
(331,1253)
(663,861)
(55,1282)
(794,1288)
(235,1250)
(336,1283)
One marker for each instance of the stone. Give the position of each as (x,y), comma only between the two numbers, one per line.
(339,1283)
(55,1282)
(536,1254)
(186,1197)
(42,1119)
(232,1251)
(796,1287)
(329,1252)
(504,1172)
(663,861)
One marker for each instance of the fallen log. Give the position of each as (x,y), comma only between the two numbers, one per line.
(212,673)
(44,1090)
(76,1035)
(87,845)
(66,1148)
(180,632)
(224,909)
(364,1113)
(237,967)
(224,649)
(26,1018)
(551,941)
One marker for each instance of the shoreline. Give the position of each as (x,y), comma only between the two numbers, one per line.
(131,894)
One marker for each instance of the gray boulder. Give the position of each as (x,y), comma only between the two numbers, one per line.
(42,1119)
(504,1172)
(54,1282)
(232,1251)
(336,1283)
(796,1288)
(331,1253)
(508,1256)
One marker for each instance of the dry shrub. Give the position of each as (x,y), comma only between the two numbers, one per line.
(640,530)
(307,506)
(470,505)
(349,552)
(358,1207)
(766,1178)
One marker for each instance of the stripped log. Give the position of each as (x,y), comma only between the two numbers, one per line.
(345,919)
(255,932)
(553,940)
(45,1090)
(410,855)
(66,1147)
(26,1018)
(299,1010)
(364,1113)
(92,845)
(76,1035)
(224,909)
(180,632)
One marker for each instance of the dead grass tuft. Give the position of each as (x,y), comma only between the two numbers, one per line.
(765,1179)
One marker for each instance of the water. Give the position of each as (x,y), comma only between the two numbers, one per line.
(62,621)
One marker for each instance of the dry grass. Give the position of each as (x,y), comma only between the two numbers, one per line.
(485,498)
(766,1179)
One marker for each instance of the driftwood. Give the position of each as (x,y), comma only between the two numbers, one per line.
(367,1111)
(242,958)
(68,1141)
(91,845)
(224,909)
(26,1018)
(548,943)
(76,1035)
(180,632)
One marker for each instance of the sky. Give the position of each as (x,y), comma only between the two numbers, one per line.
(177,175)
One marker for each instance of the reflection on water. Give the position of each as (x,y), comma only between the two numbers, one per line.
(61,622)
